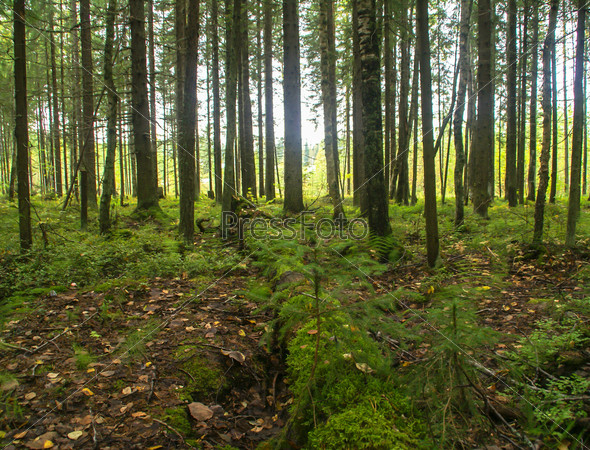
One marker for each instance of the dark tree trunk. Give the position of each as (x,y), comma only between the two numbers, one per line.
(548,48)
(565,112)
(232,20)
(554,129)
(147,196)
(152,82)
(186,132)
(216,101)
(358,141)
(466,6)
(292,103)
(247,159)
(532,169)
(376,191)
(511,179)
(108,178)
(87,134)
(268,103)
(522,108)
(573,212)
(401,166)
(328,70)
(56,123)
(21,130)
(389,119)
(262,190)
(484,134)
(432,242)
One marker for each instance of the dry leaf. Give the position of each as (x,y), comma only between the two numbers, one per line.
(30,396)
(87,392)
(364,367)
(200,412)
(242,333)
(75,435)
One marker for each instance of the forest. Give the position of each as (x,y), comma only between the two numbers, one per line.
(309,224)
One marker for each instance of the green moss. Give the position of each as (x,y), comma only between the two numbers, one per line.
(205,380)
(82,357)
(179,419)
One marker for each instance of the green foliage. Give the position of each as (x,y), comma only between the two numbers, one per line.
(547,344)
(82,357)
(204,381)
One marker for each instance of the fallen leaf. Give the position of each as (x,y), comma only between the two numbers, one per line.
(107,373)
(242,333)
(235,355)
(75,435)
(364,367)
(139,415)
(87,392)
(200,412)
(52,375)
(20,435)
(127,391)
(30,396)
(312,332)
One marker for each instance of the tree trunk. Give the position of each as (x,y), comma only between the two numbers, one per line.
(573,211)
(261,189)
(247,158)
(292,103)
(376,191)
(358,140)
(466,6)
(214,33)
(511,179)
(401,166)
(328,71)
(554,129)
(432,242)
(522,109)
(152,83)
(481,151)
(56,123)
(147,195)
(232,20)
(108,177)
(565,112)
(87,134)
(186,132)
(532,175)
(21,130)
(389,120)
(548,48)
(268,103)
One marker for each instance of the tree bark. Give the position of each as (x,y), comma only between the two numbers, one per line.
(554,129)
(548,48)
(268,103)
(108,178)
(484,134)
(376,191)
(511,179)
(522,108)
(292,102)
(87,131)
(532,169)
(21,130)
(430,212)
(186,132)
(328,85)
(466,6)
(147,196)
(56,123)
(358,141)
(152,83)
(573,212)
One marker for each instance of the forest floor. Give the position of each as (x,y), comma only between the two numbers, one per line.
(182,361)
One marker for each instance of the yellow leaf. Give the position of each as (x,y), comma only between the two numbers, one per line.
(430,290)
(147,364)
(88,392)
(155,447)
(92,369)
(486,288)
(242,333)
(47,444)
(406,363)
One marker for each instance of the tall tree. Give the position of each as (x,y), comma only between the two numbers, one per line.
(186,134)
(548,48)
(532,169)
(554,129)
(376,191)
(216,101)
(87,130)
(520,157)
(232,22)
(56,124)
(432,240)
(573,212)
(328,70)
(247,160)
(108,178)
(511,179)
(152,84)
(147,196)
(269,138)
(292,103)
(484,134)
(389,91)
(21,130)
(401,166)
(466,6)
